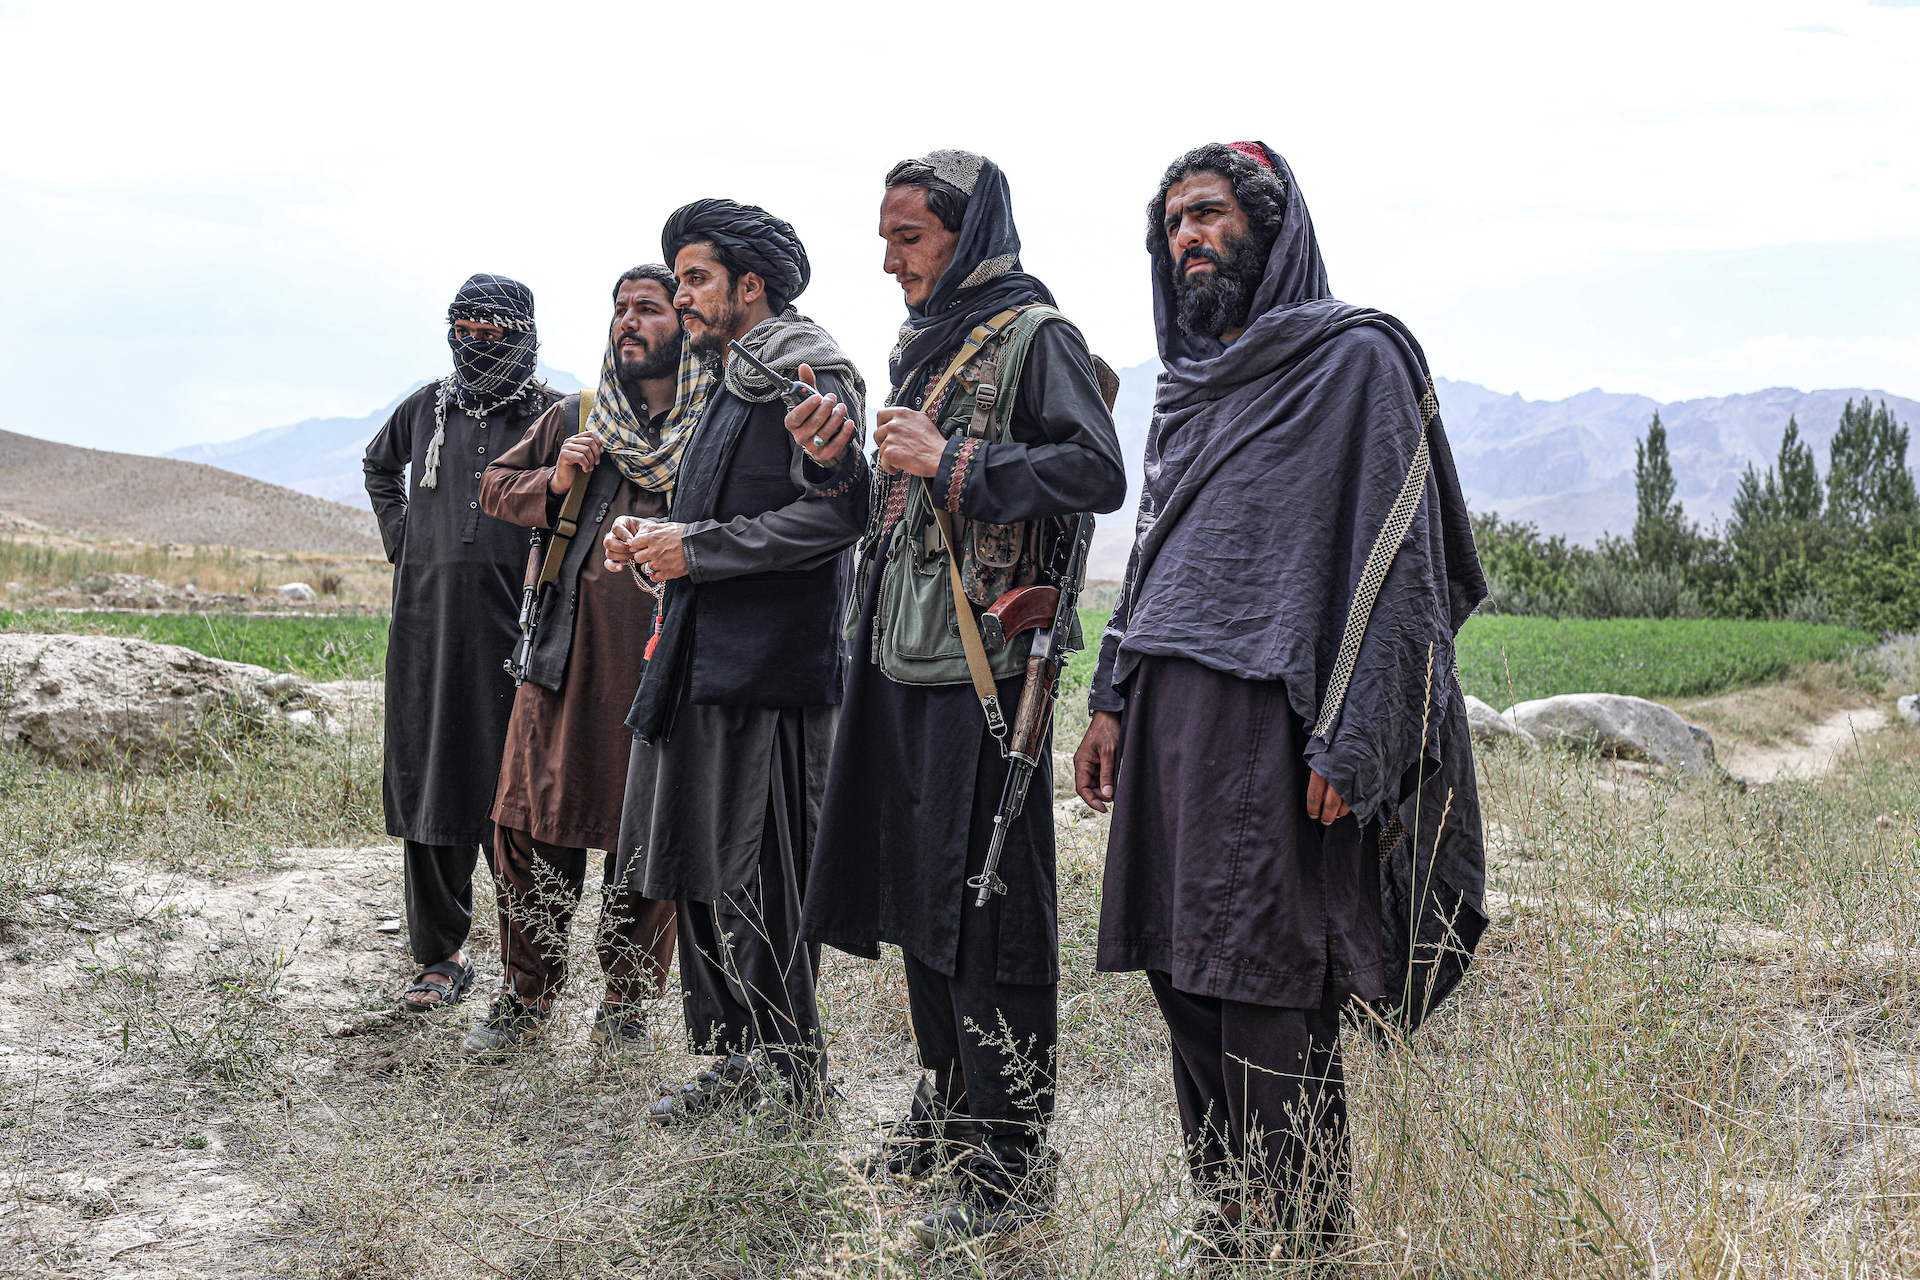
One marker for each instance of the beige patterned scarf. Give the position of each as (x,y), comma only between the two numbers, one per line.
(624,433)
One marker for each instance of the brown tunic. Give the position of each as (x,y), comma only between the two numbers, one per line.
(565,769)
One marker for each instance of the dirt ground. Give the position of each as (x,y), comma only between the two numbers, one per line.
(117,1167)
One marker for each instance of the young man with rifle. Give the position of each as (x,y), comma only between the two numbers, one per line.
(996,444)
(597,456)
(456,580)
(1276,719)
(734,717)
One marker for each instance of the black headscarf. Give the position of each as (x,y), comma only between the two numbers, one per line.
(1271,465)
(486,374)
(984,277)
(750,237)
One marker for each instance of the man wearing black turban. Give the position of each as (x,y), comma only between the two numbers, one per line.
(734,716)
(1016,439)
(456,598)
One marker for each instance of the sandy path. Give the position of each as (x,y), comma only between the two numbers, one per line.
(1818,748)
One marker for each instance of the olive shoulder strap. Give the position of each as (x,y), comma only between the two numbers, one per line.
(984,686)
(568,523)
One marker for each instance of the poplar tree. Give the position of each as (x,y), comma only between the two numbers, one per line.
(1660,533)
(1868,484)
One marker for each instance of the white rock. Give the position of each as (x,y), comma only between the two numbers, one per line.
(96,700)
(1910,709)
(1615,725)
(1489,726)
(297,591)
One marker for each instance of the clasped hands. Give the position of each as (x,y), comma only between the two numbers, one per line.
(1093,768)
(906,439)
(657,546)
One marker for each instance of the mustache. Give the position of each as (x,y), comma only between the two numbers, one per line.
(1202,253)
(690,312)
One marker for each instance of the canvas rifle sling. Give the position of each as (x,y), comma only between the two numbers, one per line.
(984,686)
(1374,574)
(569,522)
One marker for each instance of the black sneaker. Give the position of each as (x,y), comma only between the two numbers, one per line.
(914,1145)
(733,1081)
(510,1024)
(1004,1185)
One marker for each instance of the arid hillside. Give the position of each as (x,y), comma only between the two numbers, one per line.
(100,494)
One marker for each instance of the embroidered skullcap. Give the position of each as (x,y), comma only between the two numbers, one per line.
(1254,151)
(747,236)
(954,167)
(486,299)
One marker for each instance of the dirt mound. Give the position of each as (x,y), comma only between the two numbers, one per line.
(123,495)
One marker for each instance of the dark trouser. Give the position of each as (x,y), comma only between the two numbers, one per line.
(538,887)
(1263,1104)
(991,1045)
(746,978)
(439,893)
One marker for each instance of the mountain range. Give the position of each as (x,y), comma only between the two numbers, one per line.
(320,456)
(1565,465)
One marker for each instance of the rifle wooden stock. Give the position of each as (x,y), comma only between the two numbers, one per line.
(1036,710)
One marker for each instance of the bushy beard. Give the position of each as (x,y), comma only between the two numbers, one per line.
(635,368)
(711,345)
(1217,301)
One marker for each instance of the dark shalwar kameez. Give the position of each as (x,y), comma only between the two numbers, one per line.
(564,769)
(456,598)
(720,813)
(916,779)
(1271,466)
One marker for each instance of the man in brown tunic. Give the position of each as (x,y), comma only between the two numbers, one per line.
(564,772)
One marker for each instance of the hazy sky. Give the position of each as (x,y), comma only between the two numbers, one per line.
(218,218)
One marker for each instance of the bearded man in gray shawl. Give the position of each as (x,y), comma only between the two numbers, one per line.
(735,713)
(565,762)
(1276,719)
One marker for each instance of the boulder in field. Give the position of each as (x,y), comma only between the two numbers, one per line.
(112,700)
(1489,726)
(1909,706)
(299,592)
(1613,724)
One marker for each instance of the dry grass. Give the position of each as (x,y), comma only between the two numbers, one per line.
(1690,1047)
(64,571)
(1773,712)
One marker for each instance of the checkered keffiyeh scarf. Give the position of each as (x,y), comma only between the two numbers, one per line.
(621,430)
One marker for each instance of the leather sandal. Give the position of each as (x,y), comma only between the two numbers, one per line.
(459,978)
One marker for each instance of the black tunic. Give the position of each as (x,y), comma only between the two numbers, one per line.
(914,780)
(1215,874)
(456,599)
(694,817)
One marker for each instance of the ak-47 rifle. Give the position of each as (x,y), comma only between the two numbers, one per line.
(1011,614)
(516,665)
(543,572)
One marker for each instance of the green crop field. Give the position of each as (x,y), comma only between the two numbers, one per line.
(321,647)
(1509,659)
(1505,660)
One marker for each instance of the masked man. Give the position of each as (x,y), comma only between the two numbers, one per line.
(1018,436)
(1276,697)
(456,596)
(565,765)
(734,715)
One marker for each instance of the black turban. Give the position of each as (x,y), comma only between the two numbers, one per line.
(747,238)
